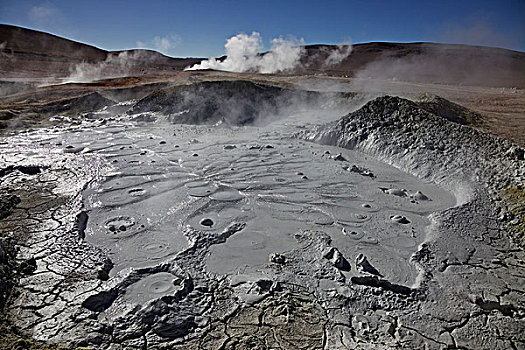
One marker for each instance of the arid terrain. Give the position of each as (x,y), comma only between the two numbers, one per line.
(376,203)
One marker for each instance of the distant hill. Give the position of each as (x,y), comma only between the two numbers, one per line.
(425,63)
(27,53)
(30,54)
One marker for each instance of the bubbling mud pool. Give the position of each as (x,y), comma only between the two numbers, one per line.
(166,179)
(177,207)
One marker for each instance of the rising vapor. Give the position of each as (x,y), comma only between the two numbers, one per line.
(339,54)
(242,55)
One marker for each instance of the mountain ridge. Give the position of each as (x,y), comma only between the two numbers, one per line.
(27,53)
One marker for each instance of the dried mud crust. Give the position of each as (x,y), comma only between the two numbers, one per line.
(41,249)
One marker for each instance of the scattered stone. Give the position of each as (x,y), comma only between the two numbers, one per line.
(101,301)
(364,265)
(277,258)
(420,196)
(400,219)
(395,192)
(73,150)
(359,170)
(339,157)
(337,259)
(28,266)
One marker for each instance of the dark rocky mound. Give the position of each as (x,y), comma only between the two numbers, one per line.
(232,102)
(449,110)
(74,106)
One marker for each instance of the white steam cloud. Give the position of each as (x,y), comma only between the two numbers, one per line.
(242,55)
(114,66)
(339,54)
(3,45)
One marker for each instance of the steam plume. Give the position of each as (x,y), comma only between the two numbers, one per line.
(242,55)
(114,66)
(339,54)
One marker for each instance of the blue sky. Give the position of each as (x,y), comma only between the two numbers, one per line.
(200,28)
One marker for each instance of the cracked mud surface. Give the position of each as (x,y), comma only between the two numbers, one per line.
(135,232)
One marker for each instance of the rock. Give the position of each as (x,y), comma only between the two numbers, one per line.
(400,219)
(374,281)
(395,192)
(337,259)
(420,196)
(364,265)
(360,171)
(81,224)
(103,272)
(28,266)
(339,157)
(515,152)
(277,258)
(101,301)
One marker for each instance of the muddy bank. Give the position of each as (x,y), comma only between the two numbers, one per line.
(433,146)
(468,260)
